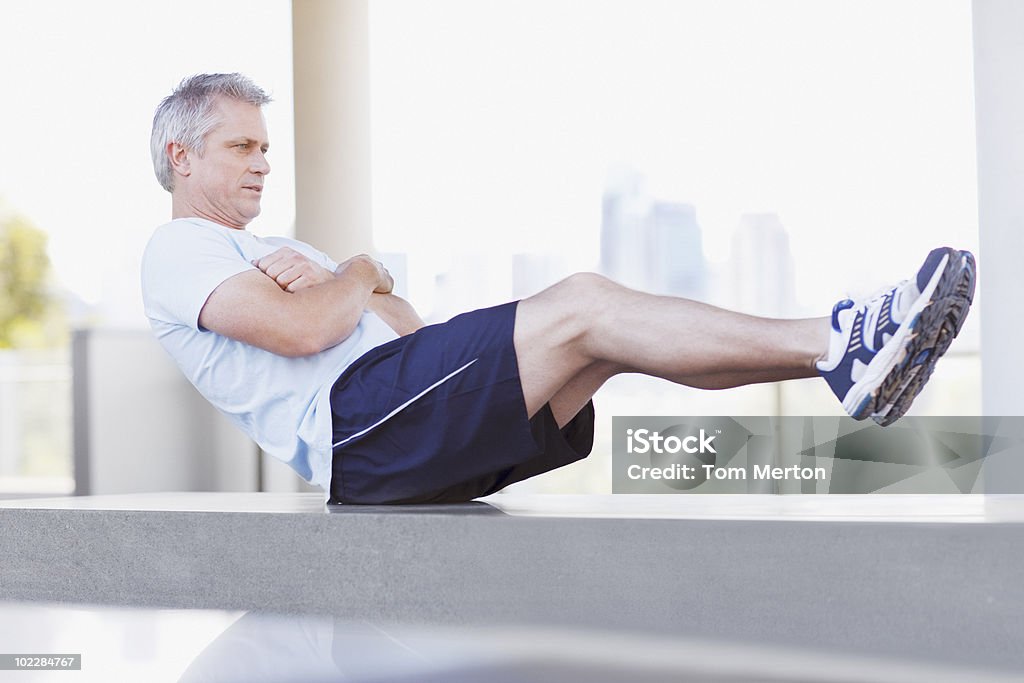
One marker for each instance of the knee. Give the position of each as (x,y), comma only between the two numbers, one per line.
(560,321)
(583,297)
(583,289)
(570,307)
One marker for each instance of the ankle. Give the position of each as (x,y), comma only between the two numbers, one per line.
(820,336)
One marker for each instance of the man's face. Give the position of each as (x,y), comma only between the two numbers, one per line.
(226,183)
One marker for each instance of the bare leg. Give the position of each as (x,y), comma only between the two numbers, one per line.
(571,398)
(573,336)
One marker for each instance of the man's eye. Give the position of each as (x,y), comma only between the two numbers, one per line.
(243,145)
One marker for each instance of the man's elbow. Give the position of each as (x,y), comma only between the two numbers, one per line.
(310,342)
(295,349)
(298,345)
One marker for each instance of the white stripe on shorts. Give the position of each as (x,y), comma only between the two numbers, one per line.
(406,404)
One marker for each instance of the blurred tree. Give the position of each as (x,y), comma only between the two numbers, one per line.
(30,315)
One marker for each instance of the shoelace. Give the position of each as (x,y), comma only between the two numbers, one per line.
(873,306)
(877,294)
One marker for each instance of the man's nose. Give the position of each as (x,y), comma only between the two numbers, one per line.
(260,164)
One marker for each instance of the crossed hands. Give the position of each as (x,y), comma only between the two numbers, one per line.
(293,271)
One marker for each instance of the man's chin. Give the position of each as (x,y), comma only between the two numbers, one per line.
(252,212)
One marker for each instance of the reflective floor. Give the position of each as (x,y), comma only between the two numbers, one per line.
(835,594)
(969,508)
(201,645)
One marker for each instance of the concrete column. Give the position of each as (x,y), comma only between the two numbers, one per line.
(331,62)
(332,125)
(999,104)
(139,426)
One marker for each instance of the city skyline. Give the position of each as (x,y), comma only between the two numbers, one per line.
(645,243)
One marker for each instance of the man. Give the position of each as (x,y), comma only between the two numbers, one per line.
(329,371)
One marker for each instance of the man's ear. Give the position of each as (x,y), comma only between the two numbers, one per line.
(180,159)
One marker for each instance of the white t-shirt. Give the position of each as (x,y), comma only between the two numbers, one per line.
(282,403)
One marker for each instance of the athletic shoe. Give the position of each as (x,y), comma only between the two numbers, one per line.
(948,328)
(878,349)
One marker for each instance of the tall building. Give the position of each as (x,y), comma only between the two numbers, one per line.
(675,249)
(623,230)
(650,244)
(762,266)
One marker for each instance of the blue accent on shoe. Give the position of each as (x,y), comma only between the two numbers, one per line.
(840,306)
(885,324)
(840,379)
(924,274)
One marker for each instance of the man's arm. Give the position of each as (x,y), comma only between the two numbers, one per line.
(253,308)
(294,272)
(396,312)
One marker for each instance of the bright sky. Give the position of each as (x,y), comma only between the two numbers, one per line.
(852,121)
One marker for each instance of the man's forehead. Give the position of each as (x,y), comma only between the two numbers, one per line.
(240,119)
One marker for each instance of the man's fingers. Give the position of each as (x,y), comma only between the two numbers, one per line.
(263,263)
(274,257)
(293,271)
(283,272)
(387,283)
(266,262)
(275,269)
(283,265)
(289,275)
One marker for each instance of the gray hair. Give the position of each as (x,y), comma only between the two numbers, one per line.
(188,114)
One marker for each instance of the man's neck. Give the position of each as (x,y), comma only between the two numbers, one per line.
(182,208)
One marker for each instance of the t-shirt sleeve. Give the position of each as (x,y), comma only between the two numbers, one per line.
(181,266)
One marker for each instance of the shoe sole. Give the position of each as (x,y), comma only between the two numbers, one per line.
(892,366)
(901,388)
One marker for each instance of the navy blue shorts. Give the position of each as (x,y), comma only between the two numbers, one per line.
(465,437)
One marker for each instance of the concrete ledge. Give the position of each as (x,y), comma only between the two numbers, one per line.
(925,577)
